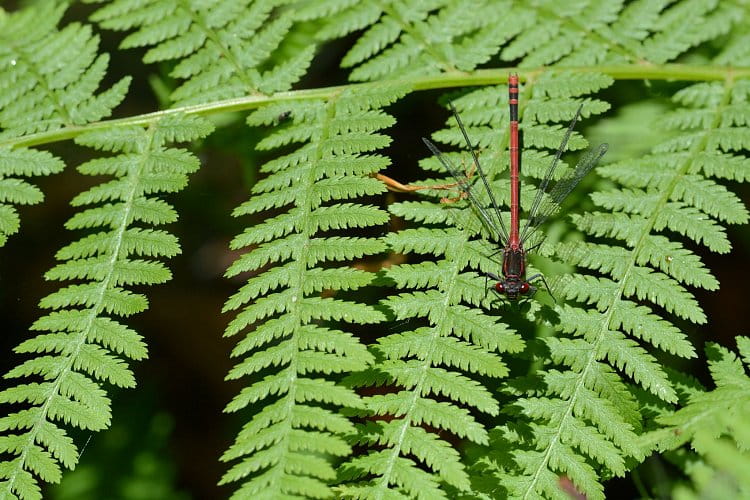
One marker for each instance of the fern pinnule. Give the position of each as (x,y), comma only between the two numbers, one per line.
(81,346)
(289,345)
(223,49)
(48,76)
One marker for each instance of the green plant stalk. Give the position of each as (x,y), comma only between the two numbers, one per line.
(677,72)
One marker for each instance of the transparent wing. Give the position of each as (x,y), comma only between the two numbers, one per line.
(551,203)
(550,172)
(503,231)
(464,185)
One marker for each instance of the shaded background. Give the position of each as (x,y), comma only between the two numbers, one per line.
(168,433)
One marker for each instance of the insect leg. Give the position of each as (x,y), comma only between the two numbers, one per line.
(546,285)
(494,277)
(495,253)
(535,246)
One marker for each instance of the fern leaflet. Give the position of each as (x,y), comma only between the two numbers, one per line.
(81,346)
(48,76)
(288,347)
(224,49)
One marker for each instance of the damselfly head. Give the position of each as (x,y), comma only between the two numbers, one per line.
(512,288)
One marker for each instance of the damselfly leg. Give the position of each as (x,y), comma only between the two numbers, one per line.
(540,276)
(394,185)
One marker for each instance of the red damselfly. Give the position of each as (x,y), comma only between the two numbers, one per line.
(513,282)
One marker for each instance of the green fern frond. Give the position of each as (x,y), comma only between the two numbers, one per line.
(688,24)
(48,80)
(587,417)
(420,413)
(714,423)
(288,446)
(736,51)
(673,199)
(406,38)
(81,346)
(416,37)
(48,76)
(590,32)
(224,49)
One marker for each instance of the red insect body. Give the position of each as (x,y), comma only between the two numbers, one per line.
(514,257)
(513,239)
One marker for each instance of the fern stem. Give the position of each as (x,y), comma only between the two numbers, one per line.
(672,72)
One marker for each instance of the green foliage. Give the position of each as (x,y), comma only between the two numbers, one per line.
(225,49)
(589,412)
(590,32)
(47,81)
(48,76)
(714,423)
(291,349)
(450,400)
(603,430)
(431,373)
(417,37)
(81,347)
(586,422)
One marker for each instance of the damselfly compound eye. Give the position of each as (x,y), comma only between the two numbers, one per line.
(524,287)
(500,287)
